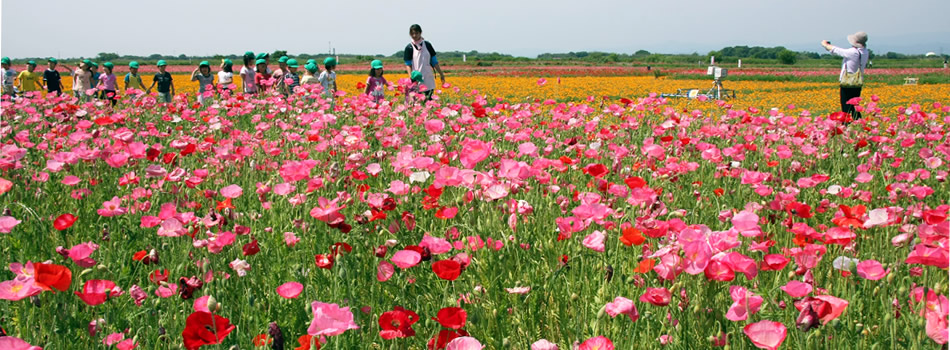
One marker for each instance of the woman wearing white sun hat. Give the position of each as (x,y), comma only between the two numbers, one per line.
(854,61)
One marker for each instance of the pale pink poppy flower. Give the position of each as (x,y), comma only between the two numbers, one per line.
(384,271)
(597,343)
(595,241)
(80,254)
(518,290)
(872,270)
(433,126)
(112,208)
(138,295)
(744,303)
(436,245)
(166,290)
(747,223)
(7,223)
(232,191)
(665,339)
(18,289)
(241,267)
(766,334)
(464,343)
(290,239)
(283,189)
(201,304)
(14,343)
(290,290)
(796,289)
(405,259)
(70,180)
(543,344)
(622,306)
(330,319)
(113,338)
(475,152)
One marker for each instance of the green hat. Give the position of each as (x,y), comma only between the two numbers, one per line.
(227,62)
(87,62)
(262,56)
(260,61)
(312,61)
(329,61)
(108,65)
(292,63)
(53,60)
(161,63)
(133,64)
(204,63)
(94,64)
(249,53)
(283,59)
(311,67)
(31,62)
(5,60)
(376,64)
(416,76)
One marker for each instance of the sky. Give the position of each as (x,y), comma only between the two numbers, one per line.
(41,28)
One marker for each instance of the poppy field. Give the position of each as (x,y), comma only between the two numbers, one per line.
(506,213)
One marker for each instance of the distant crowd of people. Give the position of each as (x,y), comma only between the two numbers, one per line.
(256,76)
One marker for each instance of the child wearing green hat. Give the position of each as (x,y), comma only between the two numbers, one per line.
(132,79)
(328,77)
(248,74)
(107,83)
(29,81)
(9,75)
(376,84)
(205,79)
(310,76)
(262,75)
(226,75)
(416,85)
(280,72)
(166,86)
(52,79)
(94,68)
(290,75)
(82,80)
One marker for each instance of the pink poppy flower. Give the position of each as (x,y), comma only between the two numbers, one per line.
(622,306)
(283,189)
(7,223)
(766,334)
(927,255)
(384,271)
(166,290)
(330,319)
(95,292)
(70,180)
(290,290)
(18,289)
(872,270)
(127,344)
(433,126)
(744,303)
(475,152)
(112,208)
(290,239)
(436,245)
(543,344)
(14,343)
(595,241)
(464,343)
(232,191)
(796,289)
(201,304)
(328,211)
(80,254)
(113,338)
(597,343)
(837,305)
(406,258)
(657,296)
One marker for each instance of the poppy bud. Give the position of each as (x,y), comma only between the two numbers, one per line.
(574,296)
(212,304)
(890,278)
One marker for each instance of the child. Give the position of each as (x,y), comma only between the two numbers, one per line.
(108,82)
(376,84)
(328,77)
(82,80)
(29,81)
(132,79)
(166,86)
(226,75)
(9,75)
(310,76)
(204,77)
(280,72)
(248,74)
(262,74)
(415,87)
(52,79)
(292,76)
(94,69)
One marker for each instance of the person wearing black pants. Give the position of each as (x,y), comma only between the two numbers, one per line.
(854,61)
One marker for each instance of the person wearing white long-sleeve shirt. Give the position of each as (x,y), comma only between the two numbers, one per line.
(854,60)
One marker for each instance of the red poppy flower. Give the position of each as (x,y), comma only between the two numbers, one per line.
(64,221)
(139,255)
(224,205)
(852,216)
(262,340)
(203,328)
(324,261)
(189,149)
(596,170)
(632,236)
(251,248)
(635,182)
(397,323)
(451,317)
(645,266)
(447,269)
(49,276)
(305,342)
(158,276)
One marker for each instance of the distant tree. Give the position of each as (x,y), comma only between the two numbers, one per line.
(107,56)
(787,57)
(641,53)
(155,56)
(278,53)
(182,57)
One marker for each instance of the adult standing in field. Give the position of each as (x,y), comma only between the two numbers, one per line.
(82,80)
(9,75)
(854,61)
(421,57)
(248,74)
(204,77)
(52,79)
(166,86)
